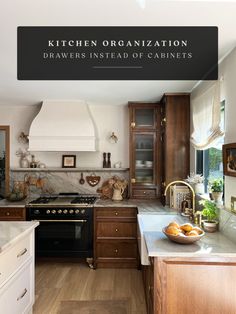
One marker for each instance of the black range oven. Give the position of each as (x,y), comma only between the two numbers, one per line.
(66,226)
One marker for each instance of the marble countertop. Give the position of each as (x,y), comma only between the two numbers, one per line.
(144,206)
(212,244)
(11,232)
(6,203)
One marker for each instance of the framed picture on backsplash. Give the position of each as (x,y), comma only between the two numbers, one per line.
(68,161)
(229,159)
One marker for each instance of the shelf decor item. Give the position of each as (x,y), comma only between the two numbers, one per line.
(197,182)
(210,211)
(229,159)
(68,161)
(24,162)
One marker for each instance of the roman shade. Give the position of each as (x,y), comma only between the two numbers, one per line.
(206,115)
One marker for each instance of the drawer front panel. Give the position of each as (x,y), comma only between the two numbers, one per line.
(144,193)
(116,229)
(17,295)
(16,256)
(117,250)
(8,213)
(113,212)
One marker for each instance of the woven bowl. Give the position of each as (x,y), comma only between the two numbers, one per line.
(182,239)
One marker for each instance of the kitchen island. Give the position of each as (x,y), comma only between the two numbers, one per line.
(17,267)
(195,278)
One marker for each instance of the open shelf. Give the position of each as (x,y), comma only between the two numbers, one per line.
(79,169)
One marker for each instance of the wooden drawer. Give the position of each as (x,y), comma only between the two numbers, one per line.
(117,249)
(144,193)
(10,213)
(18,294)
(116,229)
(13,258)
(116,212)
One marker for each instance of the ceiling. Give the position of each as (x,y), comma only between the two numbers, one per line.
(103,13)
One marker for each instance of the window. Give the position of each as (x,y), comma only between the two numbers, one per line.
(209,162)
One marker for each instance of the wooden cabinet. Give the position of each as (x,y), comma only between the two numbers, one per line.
(148,281)
(145,154)
(12,214)
(175,126)
(194,285)
(115,237)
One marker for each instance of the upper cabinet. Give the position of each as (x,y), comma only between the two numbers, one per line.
(145,147)
(159,144)
(175,124)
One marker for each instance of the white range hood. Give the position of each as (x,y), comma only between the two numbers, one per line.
(63,126)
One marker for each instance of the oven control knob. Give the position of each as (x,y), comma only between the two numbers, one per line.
(77,211)
(71,211)
(53,211)
(59,211)
(65,211)
(82,211)
(48,211)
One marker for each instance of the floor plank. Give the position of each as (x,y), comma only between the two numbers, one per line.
(62,281)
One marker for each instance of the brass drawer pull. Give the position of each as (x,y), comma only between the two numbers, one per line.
(144,192)
(117,230)
(116,251)
(22,295)
(22,252)
(116,214)
(7,214)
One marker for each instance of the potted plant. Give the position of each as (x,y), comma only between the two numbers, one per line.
(216,187)
(197,182)
(210,211)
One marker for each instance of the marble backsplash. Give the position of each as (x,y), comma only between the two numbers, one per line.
(50,182)
(228,224)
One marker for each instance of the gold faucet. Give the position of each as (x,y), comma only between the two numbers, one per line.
(185,183)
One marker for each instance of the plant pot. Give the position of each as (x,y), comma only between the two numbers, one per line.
(217,197)
(210,225)
(199,188)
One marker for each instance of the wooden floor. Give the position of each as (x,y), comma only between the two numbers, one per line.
(60,281)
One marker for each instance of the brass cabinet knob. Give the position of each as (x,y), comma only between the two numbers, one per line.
(7,213)
(116,214)
(144,192)
(133,180)
(116,251)
(117,230)
(132,124)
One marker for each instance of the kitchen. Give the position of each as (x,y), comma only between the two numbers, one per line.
(85,174)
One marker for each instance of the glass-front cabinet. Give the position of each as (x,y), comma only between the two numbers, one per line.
(144,150)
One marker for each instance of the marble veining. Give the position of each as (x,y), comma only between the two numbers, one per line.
(11,232)
(228,224)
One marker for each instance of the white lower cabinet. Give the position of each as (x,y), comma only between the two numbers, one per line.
(17,295)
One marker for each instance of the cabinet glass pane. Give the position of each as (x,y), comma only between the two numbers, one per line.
(144,157)
(144,117)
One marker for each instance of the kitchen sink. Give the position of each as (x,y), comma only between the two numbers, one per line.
(151,222)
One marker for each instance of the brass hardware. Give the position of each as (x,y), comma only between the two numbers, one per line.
(116,214)
(163,121)
(133,180)
(144,192)
(184,183)
(116,251)
(116,230)
(132,124)
(22,253)
(7,213)
(22,295)
(163,184)
(61,220)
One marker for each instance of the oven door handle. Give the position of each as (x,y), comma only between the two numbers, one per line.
(61,220)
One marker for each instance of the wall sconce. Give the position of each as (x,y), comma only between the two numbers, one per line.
(113,138)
